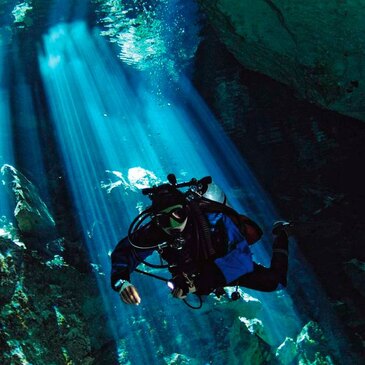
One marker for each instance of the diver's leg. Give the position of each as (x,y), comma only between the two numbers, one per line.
(268,278)
(279,260)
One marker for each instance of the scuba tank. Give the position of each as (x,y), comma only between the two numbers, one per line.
(215,193)
(215,200)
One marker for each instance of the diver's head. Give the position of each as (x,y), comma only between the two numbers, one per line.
(170,211)
(172,219)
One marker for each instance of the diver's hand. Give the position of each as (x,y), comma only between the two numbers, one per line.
(182,286)
(130,295)
(178,293)
(181,294)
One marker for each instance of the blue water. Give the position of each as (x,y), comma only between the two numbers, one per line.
(128,115)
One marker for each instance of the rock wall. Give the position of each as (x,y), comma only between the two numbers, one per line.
(45,310)
(31,213)
(315,47)
(51,311)
(309,161)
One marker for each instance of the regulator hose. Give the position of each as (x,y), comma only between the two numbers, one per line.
(204,240)
(134,226)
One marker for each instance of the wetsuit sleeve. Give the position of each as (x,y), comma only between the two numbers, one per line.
(226,269)
(125,259)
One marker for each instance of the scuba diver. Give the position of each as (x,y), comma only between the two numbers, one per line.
(204,243)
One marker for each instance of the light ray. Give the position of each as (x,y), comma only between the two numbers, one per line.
(106,119)
(6,133)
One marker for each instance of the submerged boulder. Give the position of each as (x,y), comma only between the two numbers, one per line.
(179,359)
(287,352)
(10,264)
(31,213)
(246,347)
(312,345)
(315,47)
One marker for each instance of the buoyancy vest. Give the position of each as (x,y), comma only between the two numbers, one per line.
(247,226)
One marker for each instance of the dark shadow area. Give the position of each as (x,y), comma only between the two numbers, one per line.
(308,159)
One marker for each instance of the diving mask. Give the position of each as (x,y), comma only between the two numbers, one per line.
(172,219)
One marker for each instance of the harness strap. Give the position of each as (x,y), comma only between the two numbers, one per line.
(248,227)
(203,232)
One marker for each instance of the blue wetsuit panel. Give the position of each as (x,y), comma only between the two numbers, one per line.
(238,260)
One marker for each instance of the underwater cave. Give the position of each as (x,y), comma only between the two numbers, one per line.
(100,99)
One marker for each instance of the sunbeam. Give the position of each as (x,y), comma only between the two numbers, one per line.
(106,118)
(6,132)
(100,99)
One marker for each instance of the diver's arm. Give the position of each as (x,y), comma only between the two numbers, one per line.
(124,261)
(126,258)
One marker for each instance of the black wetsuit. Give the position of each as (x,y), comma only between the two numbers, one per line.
(229,264)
